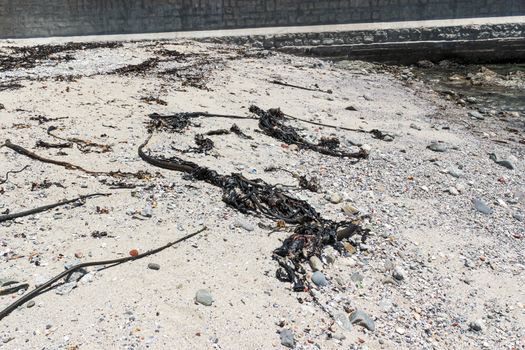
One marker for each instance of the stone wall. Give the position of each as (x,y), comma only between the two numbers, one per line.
(31,18)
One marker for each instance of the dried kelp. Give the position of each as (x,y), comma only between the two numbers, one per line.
(30,56)
(140,68)
(272,123)
(256,197)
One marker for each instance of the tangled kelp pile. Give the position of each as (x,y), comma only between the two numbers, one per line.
(254,196)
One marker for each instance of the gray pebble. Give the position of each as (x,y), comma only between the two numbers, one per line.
(506,163)
(65,288)
(398,273)
(147,212)
(30,304)
(437,147)
(153,266)
(455,172)
(481,206)
(287,338)
(476,326)
(319,279)
(342,320)
(361,318)
(204,297)
(518,216)
(476,115)
(356,277)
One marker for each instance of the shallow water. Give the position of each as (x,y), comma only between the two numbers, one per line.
(504,91)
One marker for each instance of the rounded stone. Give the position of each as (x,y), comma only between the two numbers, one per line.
(204,297)
(153,266)
(319,279)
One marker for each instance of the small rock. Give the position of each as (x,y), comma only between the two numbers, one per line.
(316,264)
(293,148)
(398,273)
(349,210)
(339,336)
(455,172)
(437,147)
(481,206)
(476,326)
(153,266)
(453,191)
(356,277)
(476,115)
(351,108)
(415,127)
(204,297)
(147,212)
(342,321)
(30,304)
(65,288)
(518,216)
(244,224)
(361,318)
(400,330)
(319,279)
(334,198)
(287,338)
(507,163)
(349,248)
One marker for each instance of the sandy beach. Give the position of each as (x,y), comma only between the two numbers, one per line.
(442,268)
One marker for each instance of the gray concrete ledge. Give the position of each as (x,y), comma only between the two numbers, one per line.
(272,31)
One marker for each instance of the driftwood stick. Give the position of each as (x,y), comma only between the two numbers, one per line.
(48,207)
(282,83)
(32,155)
(35,292)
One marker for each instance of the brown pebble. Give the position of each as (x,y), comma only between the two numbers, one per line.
(134,252)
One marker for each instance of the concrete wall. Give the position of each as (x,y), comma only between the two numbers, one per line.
(31,18)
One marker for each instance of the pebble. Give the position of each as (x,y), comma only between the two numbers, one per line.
(349,209)
(415,127)
(506,163)
(244,224)
(437,147)
(476,326)
(400,330)
(481,206)
(342,321)
(455,172)
(398,273)
(204,297)
(334,198)
(153,266)
(319,279)
(356,277)
(453,191)
(65,288)
(518,216)
(147,212)
(361,318)
(287,338)
(476,115)
(30,304)
(316,263)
